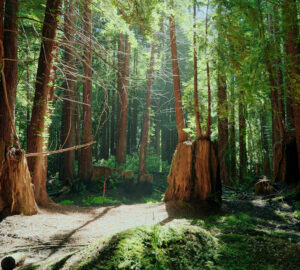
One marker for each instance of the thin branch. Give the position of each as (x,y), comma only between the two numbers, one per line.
(60,150)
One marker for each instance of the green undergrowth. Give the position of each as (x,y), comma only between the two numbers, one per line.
(228,241)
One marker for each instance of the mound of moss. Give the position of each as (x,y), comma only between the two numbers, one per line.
(156,247)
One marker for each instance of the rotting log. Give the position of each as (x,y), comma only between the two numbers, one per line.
(15,183)
(194,174)
(12,261)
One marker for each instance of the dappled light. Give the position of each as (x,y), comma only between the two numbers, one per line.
(149,134)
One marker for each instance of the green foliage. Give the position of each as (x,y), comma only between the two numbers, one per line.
(96,200)
(66,202)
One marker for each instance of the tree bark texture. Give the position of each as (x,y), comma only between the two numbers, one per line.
(194,175)
(10,46)
(16,193)
(176,83)
(36,142)
(143,148)
(85,162)
(123,108)
(68,109)
(223,128)
(292,49)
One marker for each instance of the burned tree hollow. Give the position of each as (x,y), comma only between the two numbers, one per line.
(194,174)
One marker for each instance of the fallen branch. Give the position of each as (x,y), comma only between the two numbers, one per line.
(59,151)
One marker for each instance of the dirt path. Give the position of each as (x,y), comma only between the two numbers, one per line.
(61,229)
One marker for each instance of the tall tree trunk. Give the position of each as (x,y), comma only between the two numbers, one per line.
(242,142)
(134,127)
(40,105)
(176,83)
(196,105)
(68,119)
(16,193)
(10,46)
(105,135)
(222,127)
(292,49)
(123,108)
(85,161)
(265,144)
(112,123)
(143,148)
(232,147)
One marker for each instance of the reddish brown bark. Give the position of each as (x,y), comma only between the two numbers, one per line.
(16,193)
(143,148)
(222,127)
(176,83)
(196,104)
(123,108)
(36,142)
(68,119)
(85,161)
(292,49)
(232,145)
(10,46)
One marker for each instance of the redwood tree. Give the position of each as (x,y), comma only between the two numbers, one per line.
(36,142)
(176,83)
(16,193)
(123,101)
(68,109)
(292,49)
(85,161)
(143,148)
(222,127)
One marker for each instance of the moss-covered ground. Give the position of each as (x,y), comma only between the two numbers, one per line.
(243,234)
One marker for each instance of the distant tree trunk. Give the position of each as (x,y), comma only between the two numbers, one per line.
(265,145)
(242,142)
(157,133)
(176,83)
(134,126)
(143,147)
(222,127)
(85,161)
(104,149)
(40,105)
(232,146)
(196,105)
(292,49)
(123,108)
(68,118)
(112,123)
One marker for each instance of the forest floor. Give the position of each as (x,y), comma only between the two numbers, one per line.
(61,229)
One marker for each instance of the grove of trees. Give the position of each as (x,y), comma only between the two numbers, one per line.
(88,82)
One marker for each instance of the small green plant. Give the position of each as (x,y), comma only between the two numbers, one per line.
(66,202)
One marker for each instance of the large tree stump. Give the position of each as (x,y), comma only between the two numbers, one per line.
(194,173)
(15,185)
